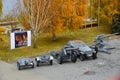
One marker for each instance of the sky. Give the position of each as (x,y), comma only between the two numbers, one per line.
(8,5)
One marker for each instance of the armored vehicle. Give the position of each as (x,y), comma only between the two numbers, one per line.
(44,59)
(84,51)
(25,63)
(66,53)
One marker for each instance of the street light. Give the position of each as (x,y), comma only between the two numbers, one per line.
(91,17)
(98,13)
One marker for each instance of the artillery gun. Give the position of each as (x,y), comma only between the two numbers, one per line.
(25,63)
(100,43)
(44,59)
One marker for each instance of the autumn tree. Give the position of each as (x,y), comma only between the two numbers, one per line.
(73,13)
(9,17)
(107,9)
(1,29)
(67,15)
(80,13)
(1,7)
(56,22)
(53,16)
(34,16)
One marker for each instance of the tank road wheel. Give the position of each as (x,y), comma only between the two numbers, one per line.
(59,60)
(82,57)
(73,58)
(51,62)
(94,56)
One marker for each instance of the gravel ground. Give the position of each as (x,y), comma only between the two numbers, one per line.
(105,66)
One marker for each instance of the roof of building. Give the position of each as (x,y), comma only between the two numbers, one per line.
(9,23)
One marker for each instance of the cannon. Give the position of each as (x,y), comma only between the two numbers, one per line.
(25,63)
(44,59)
(100,43)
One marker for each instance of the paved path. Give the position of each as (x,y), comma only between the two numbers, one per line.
(10,72)
(100,69)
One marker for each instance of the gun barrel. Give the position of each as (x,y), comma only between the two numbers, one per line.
(111,35)
(105,36)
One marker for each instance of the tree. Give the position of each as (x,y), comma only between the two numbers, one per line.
(73,13)
(56,22)
(9,17)
(107,9)
(1,29)
(66,15)
(116,24)
(34,16)
(53,16)
(1,7)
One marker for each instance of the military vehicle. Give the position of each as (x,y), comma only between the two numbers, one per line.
(102,45)
(65,54)
(44,59)
(25,63)
(83,50)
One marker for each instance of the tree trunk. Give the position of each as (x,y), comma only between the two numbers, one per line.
(35,40)
(53,37)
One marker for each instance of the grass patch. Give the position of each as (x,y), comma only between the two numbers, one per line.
(45,44)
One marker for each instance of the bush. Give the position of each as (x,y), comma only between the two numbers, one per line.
(116,24)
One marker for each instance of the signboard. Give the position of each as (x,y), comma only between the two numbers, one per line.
(20,39)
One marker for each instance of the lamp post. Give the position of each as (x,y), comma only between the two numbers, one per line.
(85,18)
(98,13)
(91,18)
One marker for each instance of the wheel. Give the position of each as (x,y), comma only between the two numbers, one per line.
(59,60)
(82,57)
(73,58)
(94,56)
(33,65)
(35,59)
(19,67)
(96,49)
(37,64)
(51,62)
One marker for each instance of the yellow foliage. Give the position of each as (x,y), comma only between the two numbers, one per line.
(67,14)
(78,21)
(1,5)
(63,14)
(107,9)
(2,29)
(58,28)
